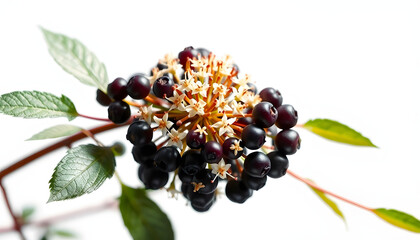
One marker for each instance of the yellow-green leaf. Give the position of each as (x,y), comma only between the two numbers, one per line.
(329,202)
(399,219)
(338,132)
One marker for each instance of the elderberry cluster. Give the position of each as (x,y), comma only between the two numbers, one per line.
(197,119)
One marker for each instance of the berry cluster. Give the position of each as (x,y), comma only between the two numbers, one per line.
(197,119)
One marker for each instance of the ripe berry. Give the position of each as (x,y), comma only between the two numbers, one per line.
(163,87)
(203,181)
(271,95)
(231,146)
(102,98)
(245,121)
(212,152)
(144,154)
(279,164)
(287,116)
(264,114)
(195,140)
(287,141)
(187,53)
(138,87)
(253,137)
(119,112)
(152,177)
(201,202)
(237,191)
(184,177)
(117,89)
(139,133)
(257,164)
(167,159)
(254,183)
(192,162)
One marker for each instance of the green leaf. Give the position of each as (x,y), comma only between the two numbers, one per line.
(82,170)
(61,130)
(76,59)
(329,202)
(34,104)
(61,233)
(27,212)
(338,132)
(399,219)
(142,217)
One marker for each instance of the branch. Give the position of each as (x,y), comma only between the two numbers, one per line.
(17,226)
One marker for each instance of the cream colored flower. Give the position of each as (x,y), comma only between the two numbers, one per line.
(224,125)
(236,147)
(201,130)
(222,104)
(146,113)
(177,101)
(195,108)
(201,89)
(163,124)
(221,170)
(175,138)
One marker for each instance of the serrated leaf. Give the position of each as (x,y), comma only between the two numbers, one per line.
(338,132)
(61,130)
(81,171)
(34,104)
(329,202)
(399,219)
(76,59)
(142,217)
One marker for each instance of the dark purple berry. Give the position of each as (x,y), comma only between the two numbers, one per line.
(102,98)
(252,88)
(195,140)
(139,133)
(167,159)
(184,177)
(253,137)
(254,183)
(117,89)
(119,112)
(232,145)
(287,116)
(192,161)
(279,164)
(264,114)
(138,87)
(152,177)
(237,191)
(257,164)
(186,189)
(203,182)
(201,202)
(144,154)
(163,87)
(212,152)
(245,121)
(187,53)
(271,95)
(287,141)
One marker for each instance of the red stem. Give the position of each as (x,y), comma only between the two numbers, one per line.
(94,118)
(17,226)
(308,182)
(65,142)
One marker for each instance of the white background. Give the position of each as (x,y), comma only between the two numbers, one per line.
(353,61)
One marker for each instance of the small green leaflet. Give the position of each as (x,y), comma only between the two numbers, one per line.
(34,104)
(77,60)
(329,202)
(338,132)
(27,212)
(81,171)
(61,130)
(142,217)
(399,219)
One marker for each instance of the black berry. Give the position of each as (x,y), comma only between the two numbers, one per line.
(117,89)
(264,114)
(163,87)
(287,116)
(237,191)
(144,154)
(212,152)
(257,164)
(187,53)
(191,162)
(138,87)
(152,177)
(139,133)
(195,140)
(271,95)
(254,183)
(203,181)
(230,146)
(119,112)
(102,98)
(167,159)
(253,136)
(287,141)
(279,164)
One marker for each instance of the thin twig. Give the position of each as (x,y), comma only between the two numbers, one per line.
(17,226)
